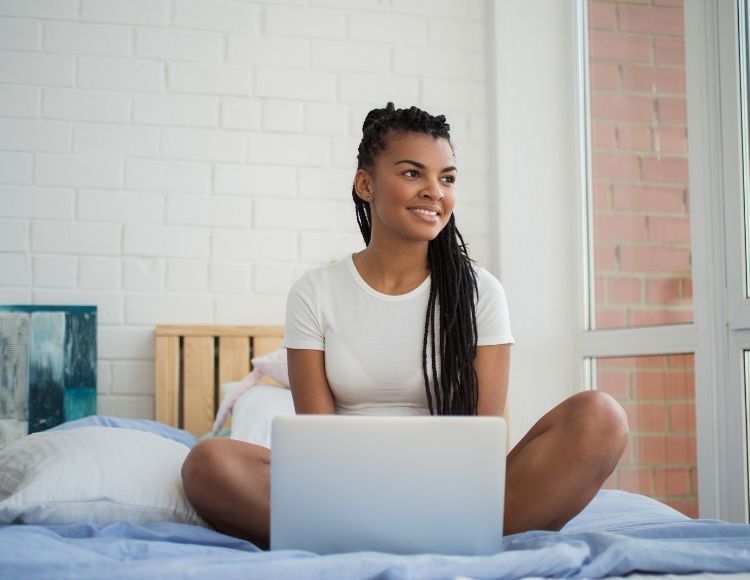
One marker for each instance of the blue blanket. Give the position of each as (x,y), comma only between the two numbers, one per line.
(616,534)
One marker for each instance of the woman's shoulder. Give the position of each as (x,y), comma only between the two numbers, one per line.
(485,278)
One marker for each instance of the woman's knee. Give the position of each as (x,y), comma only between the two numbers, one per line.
(599,422)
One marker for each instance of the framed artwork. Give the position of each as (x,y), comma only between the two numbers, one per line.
(47,367)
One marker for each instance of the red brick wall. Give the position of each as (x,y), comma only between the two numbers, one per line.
(642,233)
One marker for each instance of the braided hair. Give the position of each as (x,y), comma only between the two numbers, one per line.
(451,307)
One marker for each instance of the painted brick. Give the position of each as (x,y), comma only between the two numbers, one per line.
(603,135)
(646,198)
(196,46)
(611,318)
(431,7)
(208,79)
(209,211)
(682,361)
(133,378)
(307,22)
(76,238)
(40,8)
(621,47)
(601,15)
(600,289)
(359,88)
(202,145)
(86,39)
(13,236)
(671,481)
(604,76)
(143,274)
(167,309)
(325,120)
(635,480)
(443,94)
(634,137)
(479,127)
(436,62)
(120,206)
(322,248)
(103,378)
(109,305)
(445,32)
(120,74)
(149,12)
(78,171)
(682,417)
(116,141)
(650,259)
(187,276)
(267,50)
(622,107)
(649,79)
(669,229)
(292,150)
(472,218)
(664,290)
(367,5)
(136,407)
(648,20)
(667,450)
(86,106)
(293,84)
(15,269)
(36,202)
(273,278)
(216,15)
(239,113)
(350,56)
(660,316)
(16,34)
(282,116)
(254,245)
(176,110)
(20,101)
(255,180)
(294,215)
(615,166)
(665,169)
(626,290)
(672,111)
(669,51)
(605,257)
(99,273)
(326,183)
(15,167)
(257,309)
(228,278)
(646,417)
(614,383)
(15,295)
(38,136)
(125,343)
(602,195)
(26,68)
(54,272)
(670,139)
(171,242)
(150,175)
(393,28)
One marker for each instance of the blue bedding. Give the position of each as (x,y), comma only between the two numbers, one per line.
(616,534)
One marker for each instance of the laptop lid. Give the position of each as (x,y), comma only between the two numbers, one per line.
(401,485)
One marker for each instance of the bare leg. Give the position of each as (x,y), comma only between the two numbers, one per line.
(228,483)
(560,464)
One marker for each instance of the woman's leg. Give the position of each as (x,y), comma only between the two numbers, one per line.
(558,467)
(228,483)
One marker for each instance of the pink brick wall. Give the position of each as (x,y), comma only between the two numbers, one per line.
(641,226)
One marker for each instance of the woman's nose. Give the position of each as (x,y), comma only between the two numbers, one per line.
(433,190)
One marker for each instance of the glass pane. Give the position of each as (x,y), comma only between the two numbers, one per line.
(744,112)
(658,394)
(639,164)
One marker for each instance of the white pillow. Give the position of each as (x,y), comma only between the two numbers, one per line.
(95,475)
(255,410)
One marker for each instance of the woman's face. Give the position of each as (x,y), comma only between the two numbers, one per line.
(411,185)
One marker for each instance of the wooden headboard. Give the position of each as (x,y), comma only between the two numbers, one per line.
(193,361)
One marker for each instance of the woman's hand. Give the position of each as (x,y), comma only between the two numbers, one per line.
(307,379)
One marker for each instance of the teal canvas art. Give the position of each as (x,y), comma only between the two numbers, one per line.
(47,367)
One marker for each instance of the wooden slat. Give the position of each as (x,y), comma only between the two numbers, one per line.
(199,386)
(218,330)
(167,378)
(234,358)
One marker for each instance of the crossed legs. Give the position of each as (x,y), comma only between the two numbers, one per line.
(552,473)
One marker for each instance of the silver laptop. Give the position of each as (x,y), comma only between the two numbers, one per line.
(401,485)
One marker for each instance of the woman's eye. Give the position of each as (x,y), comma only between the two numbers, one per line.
(411,173)
(450,178)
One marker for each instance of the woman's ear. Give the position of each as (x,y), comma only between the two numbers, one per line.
(363,185)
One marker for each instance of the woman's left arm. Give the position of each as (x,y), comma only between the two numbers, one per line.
(492,364)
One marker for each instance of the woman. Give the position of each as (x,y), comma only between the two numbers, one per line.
(410,326)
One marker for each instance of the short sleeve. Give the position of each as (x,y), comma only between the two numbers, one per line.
(303,328)
(493,321)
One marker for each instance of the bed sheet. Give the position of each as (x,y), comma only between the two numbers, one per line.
(618,533)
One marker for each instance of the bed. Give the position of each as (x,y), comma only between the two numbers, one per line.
(101,496)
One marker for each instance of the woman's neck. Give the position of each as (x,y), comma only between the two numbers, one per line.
(393,270)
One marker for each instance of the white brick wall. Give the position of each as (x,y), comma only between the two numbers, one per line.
(187,160)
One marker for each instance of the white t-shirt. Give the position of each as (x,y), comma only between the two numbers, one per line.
(373,341)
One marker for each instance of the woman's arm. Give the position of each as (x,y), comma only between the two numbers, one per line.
(492,364)
(307,379)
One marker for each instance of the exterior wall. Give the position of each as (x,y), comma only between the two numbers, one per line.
(184,161)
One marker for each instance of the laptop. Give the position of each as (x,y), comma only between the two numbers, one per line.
(400,485)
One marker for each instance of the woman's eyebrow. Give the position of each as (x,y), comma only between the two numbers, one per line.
(422,165)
